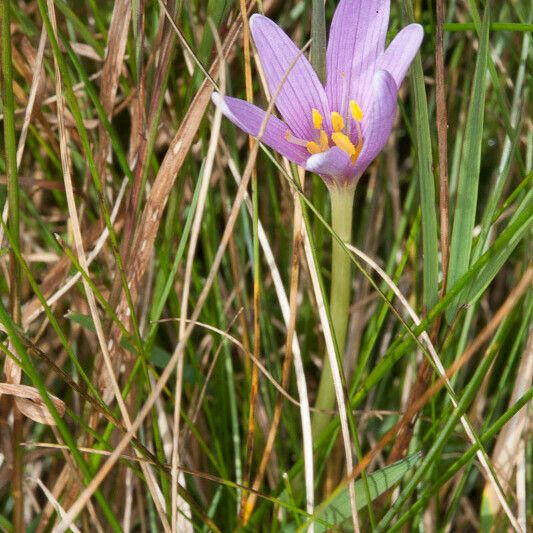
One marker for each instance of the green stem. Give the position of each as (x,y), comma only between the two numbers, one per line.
(341,268)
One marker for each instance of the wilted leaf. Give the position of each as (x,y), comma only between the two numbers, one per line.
(30,403)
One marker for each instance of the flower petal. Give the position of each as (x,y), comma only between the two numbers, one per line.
(377,124)
(357,39)
(401,51)
(333,164)
(249,118)
(301,90)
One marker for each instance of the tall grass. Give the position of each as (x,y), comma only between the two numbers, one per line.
(164,289)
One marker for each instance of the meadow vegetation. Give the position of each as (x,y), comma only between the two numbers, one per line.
(164,286)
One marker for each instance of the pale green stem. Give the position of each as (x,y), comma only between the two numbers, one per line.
(341,269)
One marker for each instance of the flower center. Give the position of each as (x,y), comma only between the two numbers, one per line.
(339,137)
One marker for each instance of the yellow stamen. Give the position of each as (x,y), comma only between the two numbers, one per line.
(324,141)
(294,140)
(337,121)
(317,119)
(359,145)
(358,149)
(344,143)
(357,114)
(313,148)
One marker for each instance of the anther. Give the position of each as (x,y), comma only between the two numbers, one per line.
(344,143)
(359,145)
(324,141)
(358,149)
(357,113)
(294,140)
(337,121)
(313,148)
(317,119)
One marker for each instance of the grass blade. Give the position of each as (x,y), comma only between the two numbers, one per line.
(467,189)
(336,510)
(430,270)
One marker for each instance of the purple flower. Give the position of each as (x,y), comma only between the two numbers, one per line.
(336,130)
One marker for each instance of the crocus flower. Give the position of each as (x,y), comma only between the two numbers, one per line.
(336,130)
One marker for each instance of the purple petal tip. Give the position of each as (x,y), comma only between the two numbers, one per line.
(219,101)
(256,19)
(417,33)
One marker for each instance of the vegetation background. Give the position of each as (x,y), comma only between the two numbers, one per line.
(154,316)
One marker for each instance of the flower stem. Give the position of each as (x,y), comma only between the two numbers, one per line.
(341,214)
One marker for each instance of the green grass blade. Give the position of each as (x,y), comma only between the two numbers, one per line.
(430,270)
(318,39)
(467,190)
(497,260)
(336,511)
